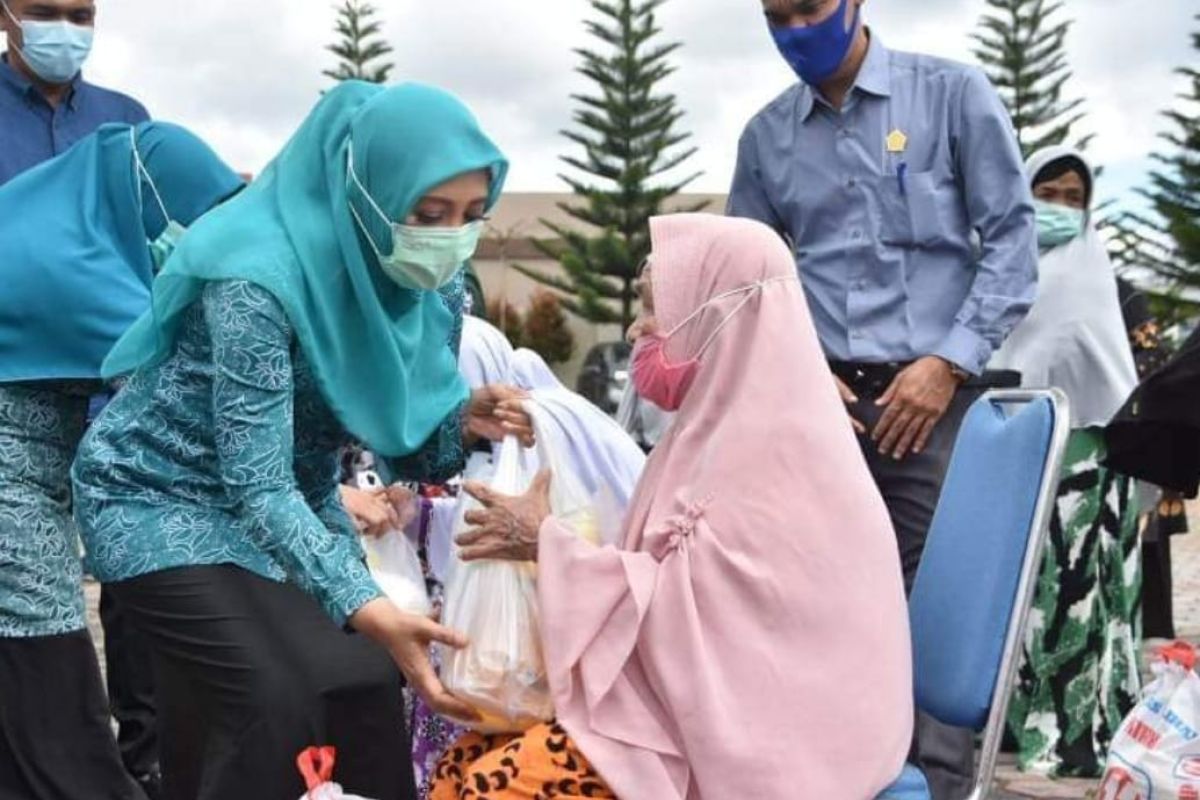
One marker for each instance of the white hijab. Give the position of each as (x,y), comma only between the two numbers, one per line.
(484,356)
(1074,337)
(607,462)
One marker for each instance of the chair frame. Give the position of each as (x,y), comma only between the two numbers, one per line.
(1060,432)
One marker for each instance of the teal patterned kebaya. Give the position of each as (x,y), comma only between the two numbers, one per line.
(226,453)
(41,593)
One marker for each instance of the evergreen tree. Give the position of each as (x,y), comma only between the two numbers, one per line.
(361,47)
(628,131)
(1021,45)
(1174,189)
(1166,240)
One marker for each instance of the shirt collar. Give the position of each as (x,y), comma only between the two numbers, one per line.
(25,86)
(13,78)
(874,77)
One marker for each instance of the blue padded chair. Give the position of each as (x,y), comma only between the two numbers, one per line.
(973,590)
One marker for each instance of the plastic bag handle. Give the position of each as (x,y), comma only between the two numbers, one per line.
(316,765)
(1180,653)
(564,482)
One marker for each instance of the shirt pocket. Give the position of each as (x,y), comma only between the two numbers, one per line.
(915,210)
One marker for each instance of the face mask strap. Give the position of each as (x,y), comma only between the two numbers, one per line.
(144,174)
(366,233)
(362,189)
(750,292)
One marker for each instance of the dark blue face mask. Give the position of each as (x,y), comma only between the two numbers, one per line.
(815,52)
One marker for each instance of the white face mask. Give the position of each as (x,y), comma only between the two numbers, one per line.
(423,258)
(55,51)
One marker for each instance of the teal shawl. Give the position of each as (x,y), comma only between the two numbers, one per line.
(378,351)
(74,263)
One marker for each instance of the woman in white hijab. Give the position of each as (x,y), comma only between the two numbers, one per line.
(600,453)
(597,449)
(1079,676)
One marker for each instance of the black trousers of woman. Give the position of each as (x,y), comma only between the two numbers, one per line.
(55,739)
(249,673)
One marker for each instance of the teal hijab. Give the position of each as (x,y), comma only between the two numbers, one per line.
(75,268)
(378,351)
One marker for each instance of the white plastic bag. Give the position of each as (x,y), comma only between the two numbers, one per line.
(569,500)
(494,603)
(394,563)
(316,765)
(502,671)
(1156,752)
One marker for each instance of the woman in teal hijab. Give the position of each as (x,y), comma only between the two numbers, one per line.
(78,236)
(300,316)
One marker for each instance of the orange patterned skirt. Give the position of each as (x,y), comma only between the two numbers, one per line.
(540,764)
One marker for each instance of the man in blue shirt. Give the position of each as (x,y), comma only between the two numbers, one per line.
(898,180)
(45,108)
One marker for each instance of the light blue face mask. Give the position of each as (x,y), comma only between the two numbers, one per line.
(423,258)
(55,51)
(162,247)
(1057,224)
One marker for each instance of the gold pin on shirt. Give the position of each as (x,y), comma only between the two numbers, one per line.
(897,141)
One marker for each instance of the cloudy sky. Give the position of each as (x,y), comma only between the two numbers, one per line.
(244,74)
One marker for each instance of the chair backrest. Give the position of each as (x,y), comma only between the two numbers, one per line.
(973,590)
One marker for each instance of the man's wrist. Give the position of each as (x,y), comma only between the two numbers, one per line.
(959,374)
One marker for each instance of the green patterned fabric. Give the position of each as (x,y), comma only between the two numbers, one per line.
(41,423)
(1079,671)
(226,453)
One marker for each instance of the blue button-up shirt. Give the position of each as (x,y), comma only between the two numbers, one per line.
(32,131)
(909,210)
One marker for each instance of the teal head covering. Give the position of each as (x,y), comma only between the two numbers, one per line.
(75,268)
(378,351)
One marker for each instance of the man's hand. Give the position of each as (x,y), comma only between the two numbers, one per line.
(849,398)
(915,402)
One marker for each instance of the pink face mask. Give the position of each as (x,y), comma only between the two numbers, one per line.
(666,384)
(657,379)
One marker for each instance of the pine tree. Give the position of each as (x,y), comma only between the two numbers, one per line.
(361,46)
(1174,189)
(628,131)
(1166,241)
(1021,46)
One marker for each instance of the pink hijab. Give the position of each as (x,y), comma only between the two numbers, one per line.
(749,638)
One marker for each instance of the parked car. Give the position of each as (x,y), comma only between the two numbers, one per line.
(604,375)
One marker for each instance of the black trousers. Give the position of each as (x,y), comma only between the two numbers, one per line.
(130,679)
(1158,607)
(251,672)
(55,739)
(911,489)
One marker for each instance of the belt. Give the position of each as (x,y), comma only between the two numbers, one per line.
(868,379)
(874,378)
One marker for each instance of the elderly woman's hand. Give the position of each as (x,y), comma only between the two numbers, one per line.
(495,412)
(506,527)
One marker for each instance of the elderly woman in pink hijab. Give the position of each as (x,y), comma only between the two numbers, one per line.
(748,638)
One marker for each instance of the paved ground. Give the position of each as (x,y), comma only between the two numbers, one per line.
(1011,784)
